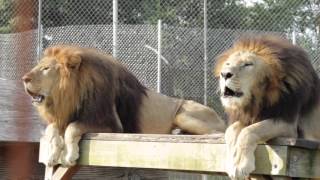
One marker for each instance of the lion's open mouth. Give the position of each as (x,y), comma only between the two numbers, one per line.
(231,93)
(36,98)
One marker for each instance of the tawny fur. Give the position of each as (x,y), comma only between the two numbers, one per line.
(279,100)
(85,90)
(285,73)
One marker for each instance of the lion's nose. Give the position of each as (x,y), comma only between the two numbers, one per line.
(226,75)
(26,78)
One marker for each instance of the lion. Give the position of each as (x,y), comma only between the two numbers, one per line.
(80,90)
(268,89)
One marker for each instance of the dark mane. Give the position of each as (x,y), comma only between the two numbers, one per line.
(129,100)
(110,84)
(298,83)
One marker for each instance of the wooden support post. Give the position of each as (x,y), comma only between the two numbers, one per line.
(49,173)
(60,173)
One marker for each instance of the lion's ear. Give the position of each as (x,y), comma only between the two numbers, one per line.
(74,61)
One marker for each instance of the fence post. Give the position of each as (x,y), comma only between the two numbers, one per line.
(205,57)
(159,58)
(39,43)
(205,63)
(115,29)
(294,41)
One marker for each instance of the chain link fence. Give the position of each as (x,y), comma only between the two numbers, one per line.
(193,33)
(184,70)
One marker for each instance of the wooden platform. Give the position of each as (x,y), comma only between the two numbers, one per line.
(283,157)
(206,154)
(20,132)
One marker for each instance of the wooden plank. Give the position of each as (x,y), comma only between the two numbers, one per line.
(271,160)
(304,163)
(201,157)
(205,153)
(18,119)
(296,143)
(213,138)
(64,173)
(85,173)
(49,171)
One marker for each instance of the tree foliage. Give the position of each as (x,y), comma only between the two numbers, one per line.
(266,15)
(6,14)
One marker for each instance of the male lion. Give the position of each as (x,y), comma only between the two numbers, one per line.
(78,90)
(268,89)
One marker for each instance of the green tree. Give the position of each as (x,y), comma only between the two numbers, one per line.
(266,15)
(6,12)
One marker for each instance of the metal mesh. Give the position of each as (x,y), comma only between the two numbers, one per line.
(89,23)
(18,21)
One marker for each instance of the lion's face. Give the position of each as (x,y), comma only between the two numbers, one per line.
(54,76)
(240,76)
(41,80)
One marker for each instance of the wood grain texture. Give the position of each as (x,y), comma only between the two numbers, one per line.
(88,172)
(200,157)
(304,162)
(18,119)
(213,138)
(205,153)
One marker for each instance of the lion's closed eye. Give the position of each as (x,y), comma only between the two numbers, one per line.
(45,68)
(248,64)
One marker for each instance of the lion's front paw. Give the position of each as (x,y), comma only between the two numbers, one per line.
(230,166)
(240,171)
(53,148)
(69,159)
(70,155)
(52,160)
(242,163)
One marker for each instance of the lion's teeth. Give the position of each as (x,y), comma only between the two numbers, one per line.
(37,98)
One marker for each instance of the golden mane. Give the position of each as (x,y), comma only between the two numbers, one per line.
(88,88)
(259,46)
(66,95)
(269,89)
(290,75)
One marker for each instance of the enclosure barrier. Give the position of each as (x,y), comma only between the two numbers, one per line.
(283,157)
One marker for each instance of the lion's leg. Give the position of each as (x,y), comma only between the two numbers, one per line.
(232,133)
(192,125)
(231,136)
(196,118)
(72,136)
(74,132)
(54,142)
(310,125)
(250,136)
